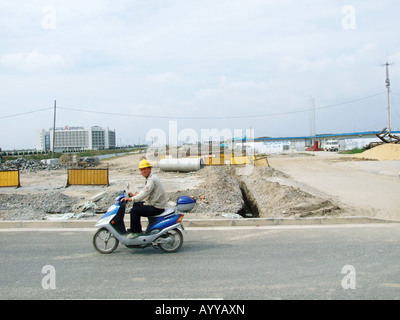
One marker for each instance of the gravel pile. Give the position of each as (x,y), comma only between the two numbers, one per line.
(25,165)
(35,206)
(29,165)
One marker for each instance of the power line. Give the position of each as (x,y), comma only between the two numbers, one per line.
(220,117)
(197,117)
(24,113)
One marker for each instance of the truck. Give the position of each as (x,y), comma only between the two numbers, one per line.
(331,145)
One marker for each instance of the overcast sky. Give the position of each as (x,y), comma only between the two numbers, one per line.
(190,65)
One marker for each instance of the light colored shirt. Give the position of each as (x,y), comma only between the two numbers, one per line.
(153,191)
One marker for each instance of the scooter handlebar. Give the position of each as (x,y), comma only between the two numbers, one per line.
(122,196)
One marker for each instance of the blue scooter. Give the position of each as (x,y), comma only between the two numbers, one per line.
(164,231)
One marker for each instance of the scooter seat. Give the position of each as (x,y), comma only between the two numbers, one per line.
(165,213)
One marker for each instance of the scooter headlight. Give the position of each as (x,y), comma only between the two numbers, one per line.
(113,207)
(104,220)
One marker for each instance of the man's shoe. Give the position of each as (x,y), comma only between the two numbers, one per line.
(133,235)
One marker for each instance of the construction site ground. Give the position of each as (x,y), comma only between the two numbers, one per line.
(297,185)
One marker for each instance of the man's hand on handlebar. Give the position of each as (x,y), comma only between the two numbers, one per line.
(129,199)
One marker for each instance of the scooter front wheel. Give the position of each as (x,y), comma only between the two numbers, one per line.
(104,241)
(171,241)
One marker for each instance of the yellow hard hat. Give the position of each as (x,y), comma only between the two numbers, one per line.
(144,164)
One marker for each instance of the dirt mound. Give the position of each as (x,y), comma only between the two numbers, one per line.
(273,199)
(219,193)
(65,158)
(387,151)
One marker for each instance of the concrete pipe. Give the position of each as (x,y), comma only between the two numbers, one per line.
(185,165)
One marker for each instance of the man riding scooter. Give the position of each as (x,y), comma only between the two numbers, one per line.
(156,199)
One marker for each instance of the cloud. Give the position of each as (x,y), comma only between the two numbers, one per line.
(162,78)
(197,58)
(33,61)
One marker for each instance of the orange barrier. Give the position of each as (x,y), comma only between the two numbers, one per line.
(9,178)
(226,159)
(88,176)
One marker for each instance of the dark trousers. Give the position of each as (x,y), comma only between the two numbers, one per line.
(140,210)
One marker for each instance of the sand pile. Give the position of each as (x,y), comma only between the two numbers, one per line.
(387,151)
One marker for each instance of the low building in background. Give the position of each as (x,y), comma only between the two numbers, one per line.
(75,139)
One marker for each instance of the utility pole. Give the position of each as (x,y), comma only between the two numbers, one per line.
(311,113)
(387,82)
(54,129)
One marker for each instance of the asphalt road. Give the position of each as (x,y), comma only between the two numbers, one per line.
(323,262)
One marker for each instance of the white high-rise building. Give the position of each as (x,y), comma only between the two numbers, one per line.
(76,139)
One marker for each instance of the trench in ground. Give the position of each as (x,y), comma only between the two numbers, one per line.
(249,209)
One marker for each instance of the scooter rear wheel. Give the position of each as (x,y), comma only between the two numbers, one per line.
(174,243)
(104,241)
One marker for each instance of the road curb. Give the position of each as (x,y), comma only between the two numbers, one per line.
(202,223)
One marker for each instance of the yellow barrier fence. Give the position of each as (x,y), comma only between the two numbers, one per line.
(88,176)
(261,162)
(226,159)
(9,178)
(232,160)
